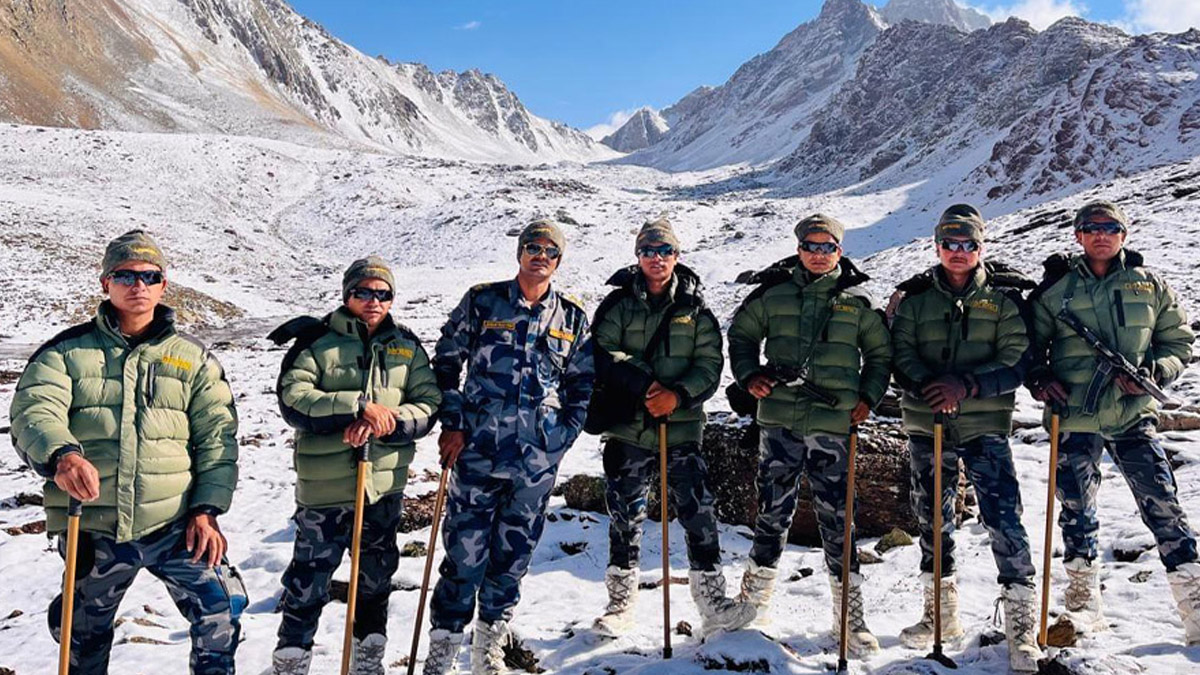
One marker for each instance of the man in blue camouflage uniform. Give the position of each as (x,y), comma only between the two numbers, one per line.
(523,403)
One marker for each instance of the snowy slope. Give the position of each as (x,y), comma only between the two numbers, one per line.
(253,67)
(265,227)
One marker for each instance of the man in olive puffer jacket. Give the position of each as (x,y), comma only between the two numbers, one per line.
(137,422)
(353,378)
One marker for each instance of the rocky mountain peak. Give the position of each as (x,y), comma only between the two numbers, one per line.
(945,12)
(645,128)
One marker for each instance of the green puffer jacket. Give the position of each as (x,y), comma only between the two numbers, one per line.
(1133,311)
(332,364)
(821,325)
(154,415)
(688,360)
(981,335)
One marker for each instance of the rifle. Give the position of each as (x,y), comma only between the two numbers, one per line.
(1110,364)
(797,378)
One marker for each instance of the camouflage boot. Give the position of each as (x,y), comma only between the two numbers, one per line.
(1185,586)
(1020,627)
(718,611)
(368,655)
(859,640)
(758,583)
(442,658)
(622,596)
(920,634)
(291,661)
(487,648)
(1082,596)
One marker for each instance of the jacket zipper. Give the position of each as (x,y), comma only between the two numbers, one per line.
(151,374)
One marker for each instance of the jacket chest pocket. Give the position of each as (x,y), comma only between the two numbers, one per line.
(497,351)
(681,336)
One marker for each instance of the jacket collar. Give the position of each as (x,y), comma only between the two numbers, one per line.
(342,322)
(163,324)
(685,287)
(1127,258)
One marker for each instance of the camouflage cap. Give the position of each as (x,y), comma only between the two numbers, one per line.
(542,229)
(658,231)
(819,222)
(1101,208)
(370,267)
(960,220)
(134,245)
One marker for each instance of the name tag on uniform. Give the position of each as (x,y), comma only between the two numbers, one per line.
(562,335)
(499,325)
(685,319)
(986,305)
(404,352)
(177,362)
(1140,286)
(848,309)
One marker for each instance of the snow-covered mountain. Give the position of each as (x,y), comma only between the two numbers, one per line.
(253,67)
(945,12)
(644,129)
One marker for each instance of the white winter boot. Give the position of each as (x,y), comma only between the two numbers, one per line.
(920,634)
(442,658)
(487,648)
(1082,596)
(718,611)
(1185,586)
(758,584)
(859,640)
(1020,627)
(291,661)
(368,655)
(622,585)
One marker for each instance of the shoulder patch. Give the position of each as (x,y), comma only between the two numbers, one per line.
(571,300)
(69,334)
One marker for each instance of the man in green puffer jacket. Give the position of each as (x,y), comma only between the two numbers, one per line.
(816,324)
(1133,311)
(137,422)
(960,344)
(659,301)
(353,378)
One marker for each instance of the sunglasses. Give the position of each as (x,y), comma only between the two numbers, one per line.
(1103,227)
(823,248)
(368,294)
(533,250)
(963,245)
(664,251)
(131,277)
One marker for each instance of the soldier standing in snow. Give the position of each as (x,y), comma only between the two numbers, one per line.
(961,349)
(658,304)
(1133,312)
(136,421)
(823,341)
(529,376)
(353,378)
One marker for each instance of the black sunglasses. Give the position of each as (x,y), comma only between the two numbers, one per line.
(131,277)
(1104,227)
(822,247)
(964,245)
(367,294)
(532,249)
(663,251)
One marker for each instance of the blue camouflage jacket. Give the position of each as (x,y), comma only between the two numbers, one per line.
(529,370)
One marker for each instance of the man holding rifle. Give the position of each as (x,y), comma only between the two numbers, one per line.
(1109,335)
(827,364)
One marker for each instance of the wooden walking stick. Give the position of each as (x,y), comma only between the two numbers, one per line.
(666,555)
(936,654)
(847,551)
(1051,486)
(438,503)
(360,494)
(74,511)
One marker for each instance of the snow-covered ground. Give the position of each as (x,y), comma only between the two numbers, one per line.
(260,230)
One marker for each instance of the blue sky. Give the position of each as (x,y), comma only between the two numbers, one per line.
(589,63)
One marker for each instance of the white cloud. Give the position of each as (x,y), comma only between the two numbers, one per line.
(613,123)
(1171,16)
(1041,13)
(470,25)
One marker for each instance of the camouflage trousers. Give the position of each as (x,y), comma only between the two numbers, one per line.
(989,467)
(212,599)
(1143,462)
(495,515)
(628,470)
(783,459)
(322,537)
